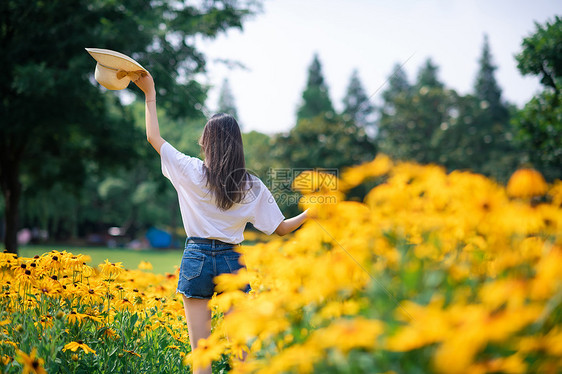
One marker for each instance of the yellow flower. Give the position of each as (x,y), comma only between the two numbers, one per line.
(348,334)
(428,324)
(111,270)
(232,282)
(31,363)
(74,317)
(355,175)
(556,193)
(9,342)
(526,183)
(145,265)
(25,276)
(548,277)
(513,364)
(336,309)
(111,333)
(92,293)
(73,346)
(6,359)
(77,262)
(124,303)
(45,321)
(207,351)
(132,353)
(49,287)
(298,358)
(91,315)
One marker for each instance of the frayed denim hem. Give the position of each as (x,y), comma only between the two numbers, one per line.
(192,297)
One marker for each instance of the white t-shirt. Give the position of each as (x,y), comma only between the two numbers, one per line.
(200,214)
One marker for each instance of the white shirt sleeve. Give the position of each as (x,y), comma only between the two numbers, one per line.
(266,216)
(176,166)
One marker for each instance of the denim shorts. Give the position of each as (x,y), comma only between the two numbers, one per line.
(201,263)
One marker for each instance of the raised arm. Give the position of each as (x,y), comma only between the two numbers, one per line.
(291,224)
(146,84)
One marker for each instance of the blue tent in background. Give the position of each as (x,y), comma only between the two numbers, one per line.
(158,238)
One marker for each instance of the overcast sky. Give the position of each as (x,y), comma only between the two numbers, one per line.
(278,45)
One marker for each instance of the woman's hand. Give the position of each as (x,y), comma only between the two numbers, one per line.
(311,213)
(146,84)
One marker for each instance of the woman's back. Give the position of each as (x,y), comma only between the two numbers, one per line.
(198,204)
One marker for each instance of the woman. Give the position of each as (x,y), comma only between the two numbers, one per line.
(217,198)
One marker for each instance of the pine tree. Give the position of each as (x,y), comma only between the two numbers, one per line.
(356,102)
(493,151)
(410,116)
(226,103)
(398,85)
(486,88)
(427,76)
(479,137)
(393,122)
(315,98)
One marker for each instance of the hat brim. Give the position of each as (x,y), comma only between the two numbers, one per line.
(114,60)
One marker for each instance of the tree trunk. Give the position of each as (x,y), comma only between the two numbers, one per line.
(11,188)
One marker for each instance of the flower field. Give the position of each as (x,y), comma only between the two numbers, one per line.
(432,272)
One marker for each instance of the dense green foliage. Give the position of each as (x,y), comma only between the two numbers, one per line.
(540,121)
(57,128)
(430,123)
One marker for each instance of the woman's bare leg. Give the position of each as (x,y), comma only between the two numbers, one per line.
(198,317)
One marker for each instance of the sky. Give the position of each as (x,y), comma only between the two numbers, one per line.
(277,46)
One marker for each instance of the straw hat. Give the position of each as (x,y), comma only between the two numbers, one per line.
(115,70)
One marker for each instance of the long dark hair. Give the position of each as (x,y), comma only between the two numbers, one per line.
(225,168)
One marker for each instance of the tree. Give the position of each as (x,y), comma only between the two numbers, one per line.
(427,76)
(410,115)
(315,97)
(486,88)
(356,103)
(429,123)
(478,136)
(398,85)
(494,152)
(56,126)
(226,102)
(258,153)
(539,123)
(392,124)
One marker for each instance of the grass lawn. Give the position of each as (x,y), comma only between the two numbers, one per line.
(162,260)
